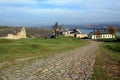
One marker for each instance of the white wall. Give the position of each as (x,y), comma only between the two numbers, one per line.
(81,35)
(103,36)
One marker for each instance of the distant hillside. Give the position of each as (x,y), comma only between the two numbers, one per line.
(31,32)
(39,32)
(95,25)
(5,30)
(115,23)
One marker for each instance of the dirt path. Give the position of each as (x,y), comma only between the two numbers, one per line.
(75,64)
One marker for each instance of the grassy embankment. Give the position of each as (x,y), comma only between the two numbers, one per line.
(24,48)
(107,65)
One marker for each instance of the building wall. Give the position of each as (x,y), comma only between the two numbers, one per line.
(77,35)
(103,36)
(19,35)
(81,35)
(71,35)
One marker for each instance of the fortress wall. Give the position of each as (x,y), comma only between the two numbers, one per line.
(19,35)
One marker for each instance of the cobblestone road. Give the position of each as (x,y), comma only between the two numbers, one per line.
(75,64)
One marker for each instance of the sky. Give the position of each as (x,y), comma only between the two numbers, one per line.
(47,12)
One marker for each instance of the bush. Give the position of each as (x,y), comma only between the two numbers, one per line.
(118,39)
(107,40)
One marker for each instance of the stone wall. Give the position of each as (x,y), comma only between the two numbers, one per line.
(19,35)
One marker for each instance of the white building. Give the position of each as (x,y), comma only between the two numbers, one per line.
(102,35)
(81,35)
(75,33)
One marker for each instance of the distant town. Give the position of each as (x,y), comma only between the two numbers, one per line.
(66,30)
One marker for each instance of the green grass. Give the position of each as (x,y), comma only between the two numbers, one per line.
(99,73)
(115,50)
(111,49)
(15,49)
(114,46)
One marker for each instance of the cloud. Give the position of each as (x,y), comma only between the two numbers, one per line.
(69,4)
(17,1)
(62,2)
(54,2)
(59,10)
(38,11)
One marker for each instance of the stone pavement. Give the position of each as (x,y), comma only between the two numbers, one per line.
(75,64)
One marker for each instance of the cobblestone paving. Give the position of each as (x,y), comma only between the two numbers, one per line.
(75,64)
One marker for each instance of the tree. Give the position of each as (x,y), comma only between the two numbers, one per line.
(112,30)
(56,29)
(98,34)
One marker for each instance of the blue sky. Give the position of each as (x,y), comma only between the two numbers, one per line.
(47,12)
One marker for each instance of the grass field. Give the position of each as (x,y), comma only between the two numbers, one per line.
(107,65)
(16,49)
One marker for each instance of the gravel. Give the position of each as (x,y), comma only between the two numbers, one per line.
(75,64)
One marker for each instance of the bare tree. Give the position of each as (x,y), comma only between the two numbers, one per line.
(56,29)
(98,34)
(112,30)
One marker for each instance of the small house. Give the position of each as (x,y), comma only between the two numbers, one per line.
(75,33)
